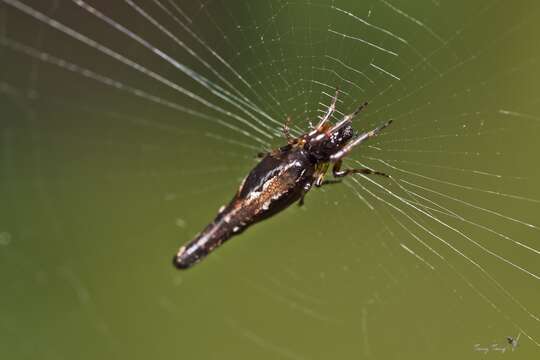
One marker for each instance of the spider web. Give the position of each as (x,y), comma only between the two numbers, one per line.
(126,125)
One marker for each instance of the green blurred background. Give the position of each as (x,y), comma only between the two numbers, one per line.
(101,182)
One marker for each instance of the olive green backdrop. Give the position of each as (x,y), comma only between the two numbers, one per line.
(106,169)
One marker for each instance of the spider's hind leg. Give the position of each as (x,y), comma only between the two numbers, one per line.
(305,190)
(338,156)
(287,131)
(338,173)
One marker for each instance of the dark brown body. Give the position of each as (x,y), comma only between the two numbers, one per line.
(280,179)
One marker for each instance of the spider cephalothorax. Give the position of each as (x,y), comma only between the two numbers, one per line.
(282,177)
(324,143)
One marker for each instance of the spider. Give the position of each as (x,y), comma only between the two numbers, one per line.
(281,178)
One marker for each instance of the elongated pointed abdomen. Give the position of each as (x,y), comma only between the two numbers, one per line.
(210,238)
(274,184)
(189,254)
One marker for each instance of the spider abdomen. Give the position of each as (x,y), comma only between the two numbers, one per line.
(278,181)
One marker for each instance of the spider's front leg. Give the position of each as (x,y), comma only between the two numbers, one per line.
(329,112)
(356,141)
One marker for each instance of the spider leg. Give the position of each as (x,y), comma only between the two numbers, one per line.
(330,182)
(330,111)
(319,179)
(347,118)
(325,182)
(358,140)
(287,132)
(305,190)
(336,170)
